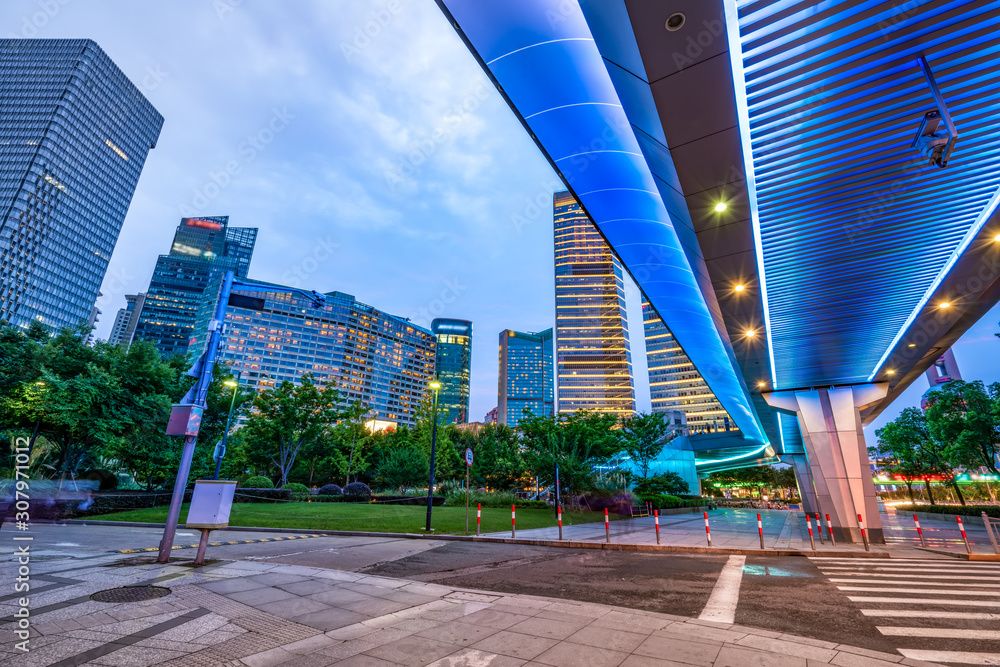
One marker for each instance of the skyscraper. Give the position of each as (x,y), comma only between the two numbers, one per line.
(125,322)
(527,379)
(74,135)
(382,360)
(202,249)
(593,360)
(674,383)
(453,366)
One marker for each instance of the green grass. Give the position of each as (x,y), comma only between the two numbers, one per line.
(379,518)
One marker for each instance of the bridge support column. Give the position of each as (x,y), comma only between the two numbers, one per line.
(836,456)
(804,481)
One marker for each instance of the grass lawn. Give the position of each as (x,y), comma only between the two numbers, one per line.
(368,517)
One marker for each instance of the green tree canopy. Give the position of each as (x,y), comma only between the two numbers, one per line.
(965,416)
(644,435)
(577,442)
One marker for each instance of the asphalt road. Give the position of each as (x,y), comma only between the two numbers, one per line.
(795,595)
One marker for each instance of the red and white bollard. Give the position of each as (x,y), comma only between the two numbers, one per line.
(829,531)
(607,526)
(864,535)
(961,527)
(559,518)
(760,531)
(809,523)
(920,533)
(708,532)
(819,529)
(656,517)
(479,516)
(513,516)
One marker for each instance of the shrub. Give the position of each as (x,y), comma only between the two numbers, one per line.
(485,498)
(315,498)
(965,510)
(295,487)
(662,483)
(258,482)
(252,495)
(358,490)
(331,490)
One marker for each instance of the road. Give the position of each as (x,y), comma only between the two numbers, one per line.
(924,609)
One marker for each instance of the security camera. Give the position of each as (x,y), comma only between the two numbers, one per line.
(934,143)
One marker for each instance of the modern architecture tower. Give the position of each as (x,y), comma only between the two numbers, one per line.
(381,360)
(453,366)
(74,135)
(202,249)
(527,378)
(125,322)
(593,360)
(674,383)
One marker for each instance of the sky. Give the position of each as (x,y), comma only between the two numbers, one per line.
(374,155)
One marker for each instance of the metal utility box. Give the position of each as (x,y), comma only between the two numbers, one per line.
(211,504)
(184,420)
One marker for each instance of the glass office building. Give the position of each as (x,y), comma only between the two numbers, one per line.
(74,135)
(453,366)
(384,361)
(202,250)
(674,383)
(593,360)
(527,378)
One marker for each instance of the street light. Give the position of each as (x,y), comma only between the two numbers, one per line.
(221,452)
(435,385)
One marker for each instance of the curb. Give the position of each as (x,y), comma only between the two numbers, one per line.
(217,544)
(964,556)
(566,544)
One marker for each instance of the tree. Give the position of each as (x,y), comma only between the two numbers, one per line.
(644,435)
(664,482)
(576,443)
(354,424)
(403,467)
(902,444)
(966,417)
(287,417)
(447,463)
(499,463)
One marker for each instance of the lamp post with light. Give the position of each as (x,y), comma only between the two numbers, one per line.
(435,385)
(221,451)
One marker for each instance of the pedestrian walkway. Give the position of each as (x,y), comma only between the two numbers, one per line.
(259,614)
(925,603)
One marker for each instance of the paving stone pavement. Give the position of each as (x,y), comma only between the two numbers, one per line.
(245,613)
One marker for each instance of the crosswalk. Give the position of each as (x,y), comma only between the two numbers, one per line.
(933,610)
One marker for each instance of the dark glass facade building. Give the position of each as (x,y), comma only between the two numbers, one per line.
(202,250)
(674,383)
(74,135)
(453,367)
(527,377)
(593,359)
(370,356)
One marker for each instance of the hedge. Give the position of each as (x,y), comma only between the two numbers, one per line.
(258,482)
(247,495)
(965,510)
(295,487)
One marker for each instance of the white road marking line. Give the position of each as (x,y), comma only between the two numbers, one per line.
(947,633)
(931,613)
(902,570)
(883,561)
(920,591)
(721,606)
(907,576)
(964,657)
(963,603)
(913,583)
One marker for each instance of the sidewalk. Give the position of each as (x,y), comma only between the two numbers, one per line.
(257,614)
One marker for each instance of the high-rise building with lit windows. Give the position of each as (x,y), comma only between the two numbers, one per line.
(527,379)
(74,135)
(203,249)
(384,361)
(453,367)
(674,383)
(593,360)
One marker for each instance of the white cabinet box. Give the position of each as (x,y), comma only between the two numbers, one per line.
(211,503)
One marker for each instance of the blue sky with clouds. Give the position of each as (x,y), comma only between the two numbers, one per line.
(364,141)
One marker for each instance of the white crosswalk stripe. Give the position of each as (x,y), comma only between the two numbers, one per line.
(932,610)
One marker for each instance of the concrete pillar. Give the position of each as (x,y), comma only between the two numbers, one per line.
(804,481)
(836,455)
